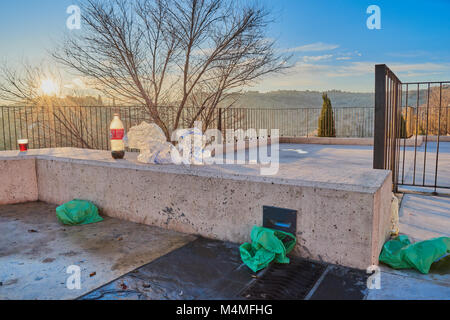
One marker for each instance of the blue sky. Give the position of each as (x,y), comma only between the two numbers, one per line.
(331,44)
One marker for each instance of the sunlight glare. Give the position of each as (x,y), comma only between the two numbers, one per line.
(49,87)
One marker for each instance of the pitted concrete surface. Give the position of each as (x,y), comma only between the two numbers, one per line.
(333,165)
(316,168)
(18,181)
(36,250)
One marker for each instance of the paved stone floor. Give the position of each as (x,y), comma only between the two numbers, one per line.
(36,250)
(424,217)
(123,260)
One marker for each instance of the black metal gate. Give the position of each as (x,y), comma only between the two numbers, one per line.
(412,132)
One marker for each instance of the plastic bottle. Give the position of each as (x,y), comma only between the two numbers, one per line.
(117,133)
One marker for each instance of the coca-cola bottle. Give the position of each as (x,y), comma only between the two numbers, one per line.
(117,133)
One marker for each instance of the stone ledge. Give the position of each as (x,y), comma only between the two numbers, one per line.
(359,180)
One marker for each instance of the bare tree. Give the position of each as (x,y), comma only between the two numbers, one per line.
(20,84)
(49,120)
(184,53)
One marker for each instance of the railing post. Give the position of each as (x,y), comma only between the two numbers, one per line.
(219,123)
(307,122)
(379,146)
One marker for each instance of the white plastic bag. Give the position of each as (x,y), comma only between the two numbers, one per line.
(151,141)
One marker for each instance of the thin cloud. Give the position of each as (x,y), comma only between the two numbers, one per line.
(368,68)
(409,54)
(318,46)
(350,76)
(317,58)
(343,58)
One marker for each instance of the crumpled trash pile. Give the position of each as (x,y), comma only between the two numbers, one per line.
(150,139)
(152,143)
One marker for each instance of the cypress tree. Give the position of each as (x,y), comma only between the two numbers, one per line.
(326,120)
(403,129)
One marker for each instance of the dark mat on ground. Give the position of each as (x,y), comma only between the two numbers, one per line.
(203,269)
(341,283)
(209,269)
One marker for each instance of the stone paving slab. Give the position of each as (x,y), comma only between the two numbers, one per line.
(403,287)
(35,251)
(425,217)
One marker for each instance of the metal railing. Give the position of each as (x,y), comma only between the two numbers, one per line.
(88,126)
(411,110)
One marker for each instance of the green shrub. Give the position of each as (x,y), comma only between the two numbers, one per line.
(326,120)
(403,130)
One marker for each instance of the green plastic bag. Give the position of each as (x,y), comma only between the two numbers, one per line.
(78,212)
(267,245)
(401,254)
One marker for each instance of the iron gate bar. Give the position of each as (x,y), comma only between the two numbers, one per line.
(417,128)
(438,139)
(426,136)
(379,152)
(399,126)
(406,134)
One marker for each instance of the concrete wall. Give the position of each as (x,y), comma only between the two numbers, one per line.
(343,218)
(18,181)
(333,225)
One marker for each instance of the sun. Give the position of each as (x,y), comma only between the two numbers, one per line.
(49,87)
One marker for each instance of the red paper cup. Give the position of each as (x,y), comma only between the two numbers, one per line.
(23,144)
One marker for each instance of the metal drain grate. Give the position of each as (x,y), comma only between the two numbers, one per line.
(286,281)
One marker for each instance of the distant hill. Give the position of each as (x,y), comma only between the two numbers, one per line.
(303,99)
(313,99)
